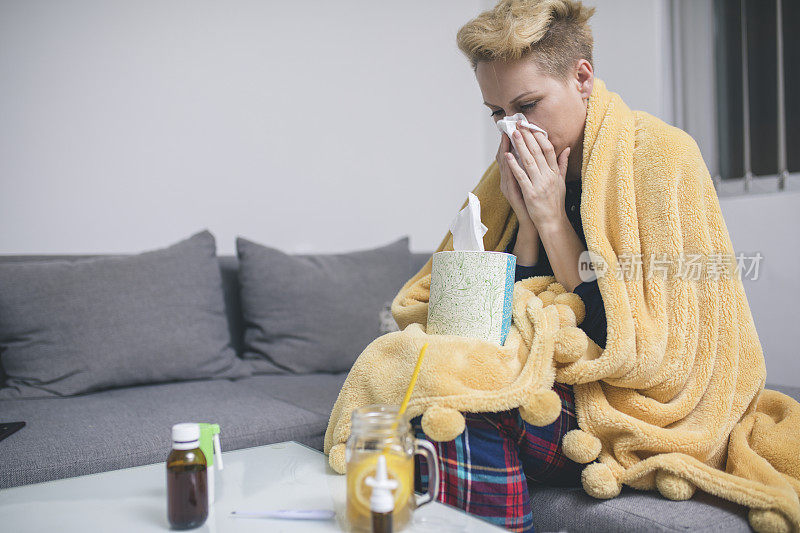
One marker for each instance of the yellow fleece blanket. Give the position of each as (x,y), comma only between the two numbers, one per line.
(676,400)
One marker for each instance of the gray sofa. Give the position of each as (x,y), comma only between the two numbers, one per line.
(125,427)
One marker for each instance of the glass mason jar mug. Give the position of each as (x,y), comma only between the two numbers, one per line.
(377,429)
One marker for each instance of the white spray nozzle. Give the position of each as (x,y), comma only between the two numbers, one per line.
(217,451)
(381,500)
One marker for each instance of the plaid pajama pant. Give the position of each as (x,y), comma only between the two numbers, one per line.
(485,471)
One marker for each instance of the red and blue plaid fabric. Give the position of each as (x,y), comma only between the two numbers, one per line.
(486,470)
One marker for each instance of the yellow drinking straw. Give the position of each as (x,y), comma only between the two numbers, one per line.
(410,389)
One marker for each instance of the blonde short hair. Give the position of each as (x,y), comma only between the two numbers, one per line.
(555,33)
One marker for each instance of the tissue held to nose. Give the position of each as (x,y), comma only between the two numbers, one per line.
(507,125)
(467,228)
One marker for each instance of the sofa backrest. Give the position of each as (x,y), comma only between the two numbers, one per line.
(229,267)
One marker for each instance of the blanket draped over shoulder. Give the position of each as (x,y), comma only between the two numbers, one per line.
(676,400)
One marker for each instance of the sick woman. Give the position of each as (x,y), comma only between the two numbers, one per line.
(657,377)
(532,57)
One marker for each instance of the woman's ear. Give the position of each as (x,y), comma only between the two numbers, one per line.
(584,78)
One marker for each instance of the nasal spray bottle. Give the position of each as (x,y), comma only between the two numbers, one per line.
(381,502)
(209,444)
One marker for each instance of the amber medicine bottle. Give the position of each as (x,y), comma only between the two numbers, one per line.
(187,481)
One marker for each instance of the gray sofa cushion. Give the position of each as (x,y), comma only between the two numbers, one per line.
(120,428)
(571,509)
(72,327)
(314,392)
(315,313)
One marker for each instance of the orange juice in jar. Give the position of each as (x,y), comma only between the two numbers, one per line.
(376,430)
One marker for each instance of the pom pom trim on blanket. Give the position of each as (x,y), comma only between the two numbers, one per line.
(676,400)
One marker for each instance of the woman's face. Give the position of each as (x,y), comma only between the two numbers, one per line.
(519,86)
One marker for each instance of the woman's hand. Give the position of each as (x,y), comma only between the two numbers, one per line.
(540,176)
(509,185)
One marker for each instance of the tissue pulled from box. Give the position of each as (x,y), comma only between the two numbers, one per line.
(507,125)
(467,228)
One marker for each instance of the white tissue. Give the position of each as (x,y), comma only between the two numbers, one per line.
(467,228)
(507,125)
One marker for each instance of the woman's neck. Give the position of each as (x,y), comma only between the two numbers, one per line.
(575,161)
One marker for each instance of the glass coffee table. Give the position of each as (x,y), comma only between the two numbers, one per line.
(287,475)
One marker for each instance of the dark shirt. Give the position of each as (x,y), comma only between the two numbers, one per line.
(594,324)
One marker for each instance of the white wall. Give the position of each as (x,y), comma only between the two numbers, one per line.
(766,223)
(129,125)
(310,126)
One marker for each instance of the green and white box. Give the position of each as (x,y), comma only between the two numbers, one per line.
(472,294)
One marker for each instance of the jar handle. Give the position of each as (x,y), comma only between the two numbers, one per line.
(425,448)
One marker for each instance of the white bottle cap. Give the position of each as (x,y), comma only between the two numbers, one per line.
(185,436)
(381,500)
